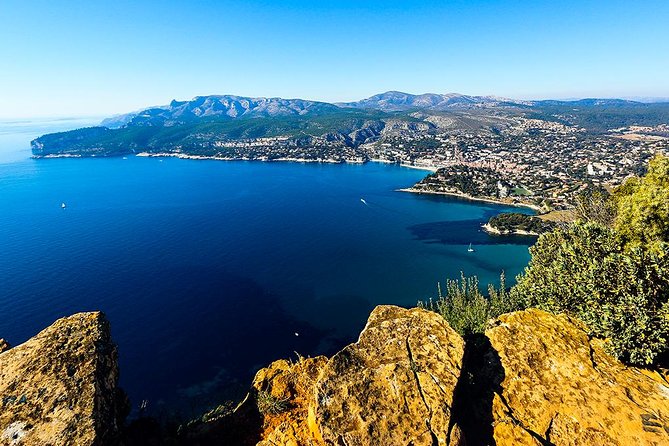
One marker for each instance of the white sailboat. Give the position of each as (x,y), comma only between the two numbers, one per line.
(470,249)
(62,205)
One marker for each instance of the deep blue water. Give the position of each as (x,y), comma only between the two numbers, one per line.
(207,269)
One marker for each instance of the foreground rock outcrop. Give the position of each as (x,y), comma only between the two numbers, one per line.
(59,388)
(560,387)
(533,378)
(394,386)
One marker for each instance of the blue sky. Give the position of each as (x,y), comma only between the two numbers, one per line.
(99,57)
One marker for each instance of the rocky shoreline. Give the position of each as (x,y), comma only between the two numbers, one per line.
(494,231)
(463,196)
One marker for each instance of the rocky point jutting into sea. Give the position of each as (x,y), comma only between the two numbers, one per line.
(532,379)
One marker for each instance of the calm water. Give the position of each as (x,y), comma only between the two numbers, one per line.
(208,270)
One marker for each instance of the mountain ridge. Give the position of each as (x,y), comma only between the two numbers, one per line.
(234,106)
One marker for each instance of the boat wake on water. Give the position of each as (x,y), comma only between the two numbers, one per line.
(377,207)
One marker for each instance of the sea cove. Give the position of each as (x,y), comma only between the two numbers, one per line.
(210,270)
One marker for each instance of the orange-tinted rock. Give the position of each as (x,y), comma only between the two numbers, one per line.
(289,387)
(560,387)
(395,385)
(59,387)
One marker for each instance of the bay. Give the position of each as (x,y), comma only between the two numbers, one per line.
(210,270)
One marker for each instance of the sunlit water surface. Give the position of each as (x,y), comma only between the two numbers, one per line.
(209,270)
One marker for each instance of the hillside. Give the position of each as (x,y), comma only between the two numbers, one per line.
(198,125)
(535,153)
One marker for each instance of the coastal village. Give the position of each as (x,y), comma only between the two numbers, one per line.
(530,162)
(540,164)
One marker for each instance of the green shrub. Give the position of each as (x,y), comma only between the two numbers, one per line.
(595,205)
(270,404)
(465,309)
(510,221)
(643,206)
(621,293)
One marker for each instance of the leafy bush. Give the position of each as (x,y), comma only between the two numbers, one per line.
(465,309)
(595,205)
(643,206)
(621,294)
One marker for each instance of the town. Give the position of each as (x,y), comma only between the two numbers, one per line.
(537,163)
(532,162)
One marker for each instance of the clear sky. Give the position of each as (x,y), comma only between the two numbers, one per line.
(99,57)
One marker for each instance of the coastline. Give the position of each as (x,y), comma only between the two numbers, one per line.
(412,189)
(470,198)
(326,161)
(425,168)
(220,158)
(267,160)
(408,166)
(494,231)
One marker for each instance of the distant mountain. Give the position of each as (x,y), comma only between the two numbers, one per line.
(237,127)
(219,107)
(399,101)
(222,107)
(588,102)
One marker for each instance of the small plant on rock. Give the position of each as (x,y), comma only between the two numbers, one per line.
(269,404)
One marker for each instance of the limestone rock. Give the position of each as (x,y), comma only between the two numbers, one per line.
(59,387)
(291,387)
(559,387)
(395,385)
(533,379)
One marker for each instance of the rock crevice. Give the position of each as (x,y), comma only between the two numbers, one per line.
(533,378)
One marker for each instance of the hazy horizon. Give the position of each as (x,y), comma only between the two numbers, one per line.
(102,58)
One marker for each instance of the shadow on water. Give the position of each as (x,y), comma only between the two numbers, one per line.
(211,331)
(341,317)
(462,232)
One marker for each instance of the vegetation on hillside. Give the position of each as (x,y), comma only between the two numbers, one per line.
(610,269)
(466,309)
(601,118)
(620,293)
(199,137)
(508,222)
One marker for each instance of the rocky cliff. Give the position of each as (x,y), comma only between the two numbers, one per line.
(532,379)
(558,386)
(60,387)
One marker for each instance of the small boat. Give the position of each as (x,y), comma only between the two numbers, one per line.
(62,205)
(363,201)
(470,249)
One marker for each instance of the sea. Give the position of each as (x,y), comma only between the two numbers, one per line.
(209,270)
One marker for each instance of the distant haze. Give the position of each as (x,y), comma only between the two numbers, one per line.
(79,58)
